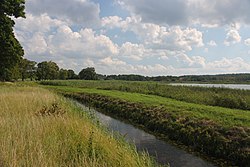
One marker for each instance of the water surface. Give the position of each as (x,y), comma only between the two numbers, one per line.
(161,150)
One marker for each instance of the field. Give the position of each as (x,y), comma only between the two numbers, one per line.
(223,97)
(40,128)
(215,130)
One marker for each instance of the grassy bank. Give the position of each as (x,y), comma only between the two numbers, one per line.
(215,131)
(40,128)
(223,97)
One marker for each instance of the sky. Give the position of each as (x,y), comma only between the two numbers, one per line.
(151,38)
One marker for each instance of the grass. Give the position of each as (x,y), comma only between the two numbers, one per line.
(224,97)
(215,131)
(66,137)
(224,116)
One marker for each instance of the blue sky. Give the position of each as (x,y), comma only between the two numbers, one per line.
(161,37)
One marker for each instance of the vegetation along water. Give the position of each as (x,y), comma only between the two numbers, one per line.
(217,131)
(40,128)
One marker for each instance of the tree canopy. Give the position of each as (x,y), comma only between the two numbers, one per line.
(11,51)
(88,74)
(27,69)
(47,70)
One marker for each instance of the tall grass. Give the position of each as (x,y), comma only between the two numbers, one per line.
(224,97)
(68,138)
(215,131)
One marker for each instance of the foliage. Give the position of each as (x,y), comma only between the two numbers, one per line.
(27,69)
(72,75)
(47,70)
(11,51)
(63,74)
(88,74)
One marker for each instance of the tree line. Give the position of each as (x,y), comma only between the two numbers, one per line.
(48,70)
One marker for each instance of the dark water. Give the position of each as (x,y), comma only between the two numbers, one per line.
(162,151)
(231,86)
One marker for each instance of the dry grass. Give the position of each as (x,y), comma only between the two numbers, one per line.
(68,139)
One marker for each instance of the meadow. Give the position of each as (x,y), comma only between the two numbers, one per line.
(41,128)
(217,131)
(223,97)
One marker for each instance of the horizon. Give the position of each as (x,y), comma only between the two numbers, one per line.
(160,38)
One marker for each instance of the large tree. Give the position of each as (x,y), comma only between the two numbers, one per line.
(11,51)
(88,74)
(47,70)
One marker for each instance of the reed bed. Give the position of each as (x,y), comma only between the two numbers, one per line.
(40,128)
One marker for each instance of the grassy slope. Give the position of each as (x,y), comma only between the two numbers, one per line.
(224,116)
(224,97)
(71,139)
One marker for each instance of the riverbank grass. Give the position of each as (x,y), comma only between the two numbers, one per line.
(40,128)
(218,132)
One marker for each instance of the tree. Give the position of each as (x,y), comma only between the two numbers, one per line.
(63,74)
(11,51)
(27,69)
(47,70)
(88,74)
(71,74)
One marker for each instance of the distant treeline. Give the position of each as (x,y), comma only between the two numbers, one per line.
(225,78)
(48,70)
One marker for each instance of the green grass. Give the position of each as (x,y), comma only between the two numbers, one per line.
(67,137)
(224,116)
(224,97)
(172,112)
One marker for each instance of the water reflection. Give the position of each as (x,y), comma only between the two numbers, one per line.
(164,152)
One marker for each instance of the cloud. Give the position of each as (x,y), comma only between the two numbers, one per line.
(247,42)
(212,43)
(108,61)
(188,62)
(232,37)
(132,51)
(54,39)
(226,65)
(161,11)
(111,65)
(155,36)
(83,12)
(208,13)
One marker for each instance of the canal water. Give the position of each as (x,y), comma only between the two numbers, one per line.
(163,152)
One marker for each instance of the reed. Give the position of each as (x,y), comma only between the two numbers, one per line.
(63,136)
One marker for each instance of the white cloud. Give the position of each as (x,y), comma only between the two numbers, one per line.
(108,61)
(247,42)
(53,39)
(158,37)
(187,61)
(132,51)
(114,66)
(226,65)
(232,37)
(212,43)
